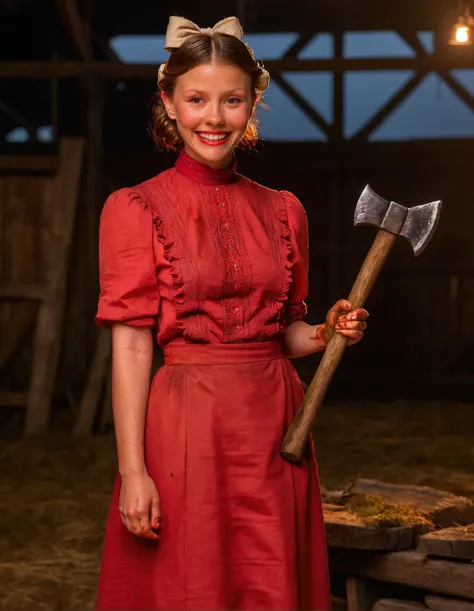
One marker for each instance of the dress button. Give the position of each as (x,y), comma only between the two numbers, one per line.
(217,188)
(235,265)
(226,225)
(229,246)
(221,205)
(236,309)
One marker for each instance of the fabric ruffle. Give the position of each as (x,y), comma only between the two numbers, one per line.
(290,310)
(172,235)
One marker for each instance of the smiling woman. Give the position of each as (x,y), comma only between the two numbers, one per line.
(206,514)
(211,106)
(221,82)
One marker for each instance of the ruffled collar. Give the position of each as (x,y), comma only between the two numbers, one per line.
(202,173)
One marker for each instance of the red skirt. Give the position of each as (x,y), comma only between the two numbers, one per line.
(241,527)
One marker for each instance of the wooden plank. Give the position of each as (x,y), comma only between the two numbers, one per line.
(390,604)
(72,22)
(455,542)
(51,313)
(12,399)
(360,594)
(410,568)
(399,97)
(345,530)
(122,71)
(443,508)
(19,330)
(25,292)
(439,603)
(28,163)
(312,114)
(89,404)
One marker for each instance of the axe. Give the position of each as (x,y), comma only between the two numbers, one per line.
(417,225)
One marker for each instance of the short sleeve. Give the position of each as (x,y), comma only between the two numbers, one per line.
(295,308)
(127,270)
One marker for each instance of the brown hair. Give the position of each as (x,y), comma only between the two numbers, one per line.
(200,49)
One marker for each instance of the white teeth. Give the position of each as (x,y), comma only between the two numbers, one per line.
(213,136)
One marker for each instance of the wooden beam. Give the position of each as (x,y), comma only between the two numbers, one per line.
(23,121)
(96,380)
(305,106)
(458,89)
(451,82)
(9,399)
(408,568)
(49,326)
(28,163)
(122,71)
(304,39)
(23,292)
(389,107)
(72,22)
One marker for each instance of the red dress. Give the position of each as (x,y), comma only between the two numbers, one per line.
(217,264)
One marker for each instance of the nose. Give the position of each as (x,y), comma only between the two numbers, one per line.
(215,115)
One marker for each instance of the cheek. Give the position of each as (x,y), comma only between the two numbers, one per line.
(239,117)
(186,117)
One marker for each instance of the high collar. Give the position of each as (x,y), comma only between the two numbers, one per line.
(202,173)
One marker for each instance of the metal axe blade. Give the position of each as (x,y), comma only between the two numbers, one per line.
(416,224)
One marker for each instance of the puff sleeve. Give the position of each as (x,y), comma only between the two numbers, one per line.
(127,269)
(295,308)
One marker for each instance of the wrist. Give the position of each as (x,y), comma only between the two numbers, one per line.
(323,335)
(131,472)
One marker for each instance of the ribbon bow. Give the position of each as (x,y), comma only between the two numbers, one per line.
(180,28)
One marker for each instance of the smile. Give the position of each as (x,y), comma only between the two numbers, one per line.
(213,139)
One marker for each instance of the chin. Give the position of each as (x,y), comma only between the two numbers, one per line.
(220,155)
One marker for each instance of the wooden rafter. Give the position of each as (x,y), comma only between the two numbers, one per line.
(304,39)
(389,107)
(122,71)
(450,81)
(21,120)
(298,99)
(74,27)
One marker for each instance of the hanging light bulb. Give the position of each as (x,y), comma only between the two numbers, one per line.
(463,32)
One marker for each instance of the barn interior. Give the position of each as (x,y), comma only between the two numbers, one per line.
(362,93)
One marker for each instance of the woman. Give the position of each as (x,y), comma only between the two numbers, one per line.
(205,513)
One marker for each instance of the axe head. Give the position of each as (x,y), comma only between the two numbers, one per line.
(416,224)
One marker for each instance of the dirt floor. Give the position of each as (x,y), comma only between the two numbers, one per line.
(54,490)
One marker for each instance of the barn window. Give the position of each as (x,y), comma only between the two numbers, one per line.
(431,111)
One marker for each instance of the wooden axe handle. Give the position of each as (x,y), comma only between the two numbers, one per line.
(296,438)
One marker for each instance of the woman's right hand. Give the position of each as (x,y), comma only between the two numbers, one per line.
(139,505)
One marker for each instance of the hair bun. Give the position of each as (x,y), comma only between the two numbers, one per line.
(263,81)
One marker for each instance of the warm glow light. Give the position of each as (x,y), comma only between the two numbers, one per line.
(462,34)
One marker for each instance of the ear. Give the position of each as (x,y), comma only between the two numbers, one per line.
(169,106)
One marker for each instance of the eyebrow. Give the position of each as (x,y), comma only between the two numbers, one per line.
(198,92)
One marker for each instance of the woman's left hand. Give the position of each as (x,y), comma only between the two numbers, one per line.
(345,321)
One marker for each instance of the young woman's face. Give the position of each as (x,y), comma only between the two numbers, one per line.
(212,105)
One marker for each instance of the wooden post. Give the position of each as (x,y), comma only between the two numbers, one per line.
(48,334)
(360,594)
(98,375)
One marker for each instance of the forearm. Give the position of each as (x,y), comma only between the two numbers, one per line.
(301,339)
(131,369)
